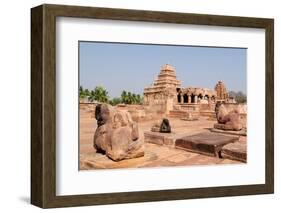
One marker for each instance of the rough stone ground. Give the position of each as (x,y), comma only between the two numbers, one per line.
(156,155)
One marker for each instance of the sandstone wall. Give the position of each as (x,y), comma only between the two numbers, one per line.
(90,107)
(206,107)
(138,112)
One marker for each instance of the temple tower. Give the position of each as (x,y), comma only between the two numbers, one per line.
(163,92)
(166,78)
(221,90)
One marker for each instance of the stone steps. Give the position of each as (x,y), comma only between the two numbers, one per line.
(177,112)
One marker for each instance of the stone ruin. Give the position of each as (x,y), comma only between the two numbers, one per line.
(117,135)
(227,120)
(166,96)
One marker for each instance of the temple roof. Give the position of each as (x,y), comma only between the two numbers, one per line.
(220,85)
(168,67)
(165,79)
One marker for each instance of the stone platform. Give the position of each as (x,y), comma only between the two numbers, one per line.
(164,139)
(205,143)
(159,154)
(235,151)
(155,156)
(242,132)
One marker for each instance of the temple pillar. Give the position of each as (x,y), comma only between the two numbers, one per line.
(189,99)
(181,99)
(195,99)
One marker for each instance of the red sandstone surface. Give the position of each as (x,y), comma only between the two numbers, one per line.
(155,155)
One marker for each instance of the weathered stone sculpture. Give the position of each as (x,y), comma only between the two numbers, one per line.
(227,120)
(165,126)
(117,135)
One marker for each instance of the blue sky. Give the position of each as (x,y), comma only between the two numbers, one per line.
(131,67)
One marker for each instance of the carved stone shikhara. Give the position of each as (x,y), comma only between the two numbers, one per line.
(221,91)
(117,135)
(227,120)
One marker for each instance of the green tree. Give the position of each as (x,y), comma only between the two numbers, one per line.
(130,98)
(81,92)
(115,101)
(99,94)
(87,92)
(124,97)
(134,98)
(139,99)
(81,89)
(239,97)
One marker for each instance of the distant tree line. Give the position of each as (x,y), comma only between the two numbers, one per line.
(100,94)
(239,97)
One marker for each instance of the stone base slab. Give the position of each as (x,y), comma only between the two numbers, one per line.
(235,151)
(166,139)
(205,143)
(190,119)
(223,127)
(219,126)
(242,132)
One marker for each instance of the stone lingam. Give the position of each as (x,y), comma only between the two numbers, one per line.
(117,135)
(163,127)
(230,121)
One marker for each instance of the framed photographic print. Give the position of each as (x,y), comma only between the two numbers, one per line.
(136,106)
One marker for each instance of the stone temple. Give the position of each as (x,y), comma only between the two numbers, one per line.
(167,95)
(172,121)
